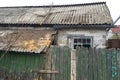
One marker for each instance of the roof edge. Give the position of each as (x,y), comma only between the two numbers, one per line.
(65,5)
(34,24)
(84,26)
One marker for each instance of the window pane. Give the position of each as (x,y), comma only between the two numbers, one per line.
(84,41)
(75,40)
(88,40)
(79,40)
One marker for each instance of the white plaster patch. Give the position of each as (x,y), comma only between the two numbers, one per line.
(63,40)
(3,33)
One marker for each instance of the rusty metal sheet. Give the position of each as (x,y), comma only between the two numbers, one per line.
(26,40)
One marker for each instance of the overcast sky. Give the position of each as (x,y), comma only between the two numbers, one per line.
(113,5)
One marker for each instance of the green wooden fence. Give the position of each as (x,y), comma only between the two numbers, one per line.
(91,64)
(97,64)
(61,62)
(19,64)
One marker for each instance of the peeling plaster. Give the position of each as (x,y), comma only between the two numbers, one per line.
(98,39)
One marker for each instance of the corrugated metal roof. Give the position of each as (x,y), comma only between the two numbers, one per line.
(90,13)
(26,40)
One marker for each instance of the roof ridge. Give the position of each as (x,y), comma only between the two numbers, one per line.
(64,5)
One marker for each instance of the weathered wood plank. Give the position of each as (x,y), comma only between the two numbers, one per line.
(95,64)
(61,59)
(114,65)
(90,70)
(103,64)
(45,71)
(118,64)
(109,65)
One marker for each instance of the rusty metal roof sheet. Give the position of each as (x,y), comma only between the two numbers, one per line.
(26,41)
(90,13)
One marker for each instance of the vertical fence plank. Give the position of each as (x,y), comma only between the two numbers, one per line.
(90,70)
(61,60)
(78,68)
(95,64)
(103,64)
(109,65)
(82,64)
(118,64)
(114,64)
(56,58)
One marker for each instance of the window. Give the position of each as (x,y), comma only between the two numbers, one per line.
(82,42)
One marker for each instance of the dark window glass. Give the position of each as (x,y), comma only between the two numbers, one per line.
(75,40)
(88,40)
(79,40)
(84,41)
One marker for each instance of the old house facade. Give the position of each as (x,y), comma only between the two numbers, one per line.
(82,25)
